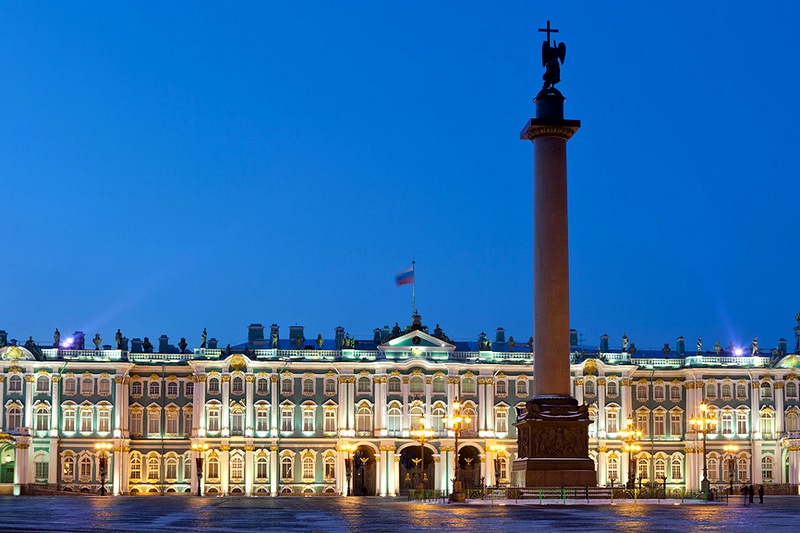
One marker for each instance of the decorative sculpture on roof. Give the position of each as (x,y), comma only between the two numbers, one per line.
(98,341)
(56,338)
(551,55)
(699,345)
(30,343)
(320,341)
(754,347)
(273,338)
(203,338)
(118,339)
(182,345)
(511,343)
(147,346)
(530,344)
(665,350)
(482,342)
(625,342)
(717,348)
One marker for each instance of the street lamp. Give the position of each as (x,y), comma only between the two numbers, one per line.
(422,434)
(704,424)
(348,449)
(497,450)
(456,424)
(731,449)
(199,447)
(629,437)
(102,450)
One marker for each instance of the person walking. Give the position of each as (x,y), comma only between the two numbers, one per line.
(744,492)
(761,494)
(751,492)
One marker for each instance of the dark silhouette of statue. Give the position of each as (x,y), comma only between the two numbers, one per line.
(203,338)
(551,56)
(118,339)
(56,338)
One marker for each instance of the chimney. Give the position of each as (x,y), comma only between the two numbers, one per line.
(499,336)
(604,343)
(163,344)
(255,333)
(136,345)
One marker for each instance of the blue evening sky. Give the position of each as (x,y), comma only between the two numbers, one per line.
(169,166)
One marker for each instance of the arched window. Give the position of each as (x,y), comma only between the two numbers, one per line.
(612,421)
(611,388)
(171,469)
(437,419)
(262,418)
(767,464)
(641,393)
(153,469)
(364,418)
(213,385)
(308,386)
(15,384)
(212,468)
(237,385)
(262,386)
(468,386)
(713,469)
(642,469)
(438,384)
(501,420)
(70,386)
(725,391)
(677,469)
(154,389)
(136,388)
(415,414)
(262,468)
(791,390)
(287,385)
(13,418)
(741,391)
(791,421)
(237,422)
(395,417)
(172,389)
(308,469)
(661,469)
(767,423)
(744,470)
(500,387)
(42,384)
(69,467)
(469,412)
(711,390)
(237,468)
(766,390)
(135,470)
(675,393)
(85,468)
(417,385)
(330,468)
(212,417)
(364,385)
(727,423)
(613,469)
(394,384)
(658,393)
(42,418)
(588,387)
(287,468)
(522,387)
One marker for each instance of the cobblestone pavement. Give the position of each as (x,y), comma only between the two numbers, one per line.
(334,515)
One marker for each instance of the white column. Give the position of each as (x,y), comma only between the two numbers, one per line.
(755,463)
(779,414)
(482,427)
(755,413)
(601,405)
(396,473)
(52,475)
(625,400)
(199,406)
(428,395)
(225,423)
(439,470)
(343,420)
(29,385)
(248,467)
(351,403)
(224,468)
(193,488)
(248,410)
(274,472)
(122,465)
(55,410)
(380,478)
(275,408)
(578,388)
(489,399)
(602,466)
(391,482)
(406,422)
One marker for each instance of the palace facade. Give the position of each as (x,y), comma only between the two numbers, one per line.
(279,416)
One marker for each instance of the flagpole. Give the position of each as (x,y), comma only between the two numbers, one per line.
(413,290)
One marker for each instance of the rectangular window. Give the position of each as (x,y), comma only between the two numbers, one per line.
(42,470)
(308,421)
(189,389)
(677,471)
(237,423)
(330,421)
(287,472)
(43,384)
(69,386)
(711,391)
(658,393)
(308,469)
(641,393)
(642,423)
(153,422)
(262,468)
(262,386)
(330,469)
(675,393)
(187,422)
(171,471)
(659,423)
(287,424)
(675,425)
(612,422)
(727,423)
(87,386)
(213,419)
(154,389)
(502,421)
(741,423)
(286,386)
(262,420)
(42,419)
(86,421)
(172,424)
(104,387)
(136,423)
(741,391)
(104,421)
(308,386)
(213,469)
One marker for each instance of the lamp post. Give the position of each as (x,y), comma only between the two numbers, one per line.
(199,448)
(102,450)
(704,424)
(731,449)
(629,436)
(456,424)
(422,434)
(497,449)
(348,450)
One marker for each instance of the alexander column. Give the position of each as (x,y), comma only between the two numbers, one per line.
(553,433)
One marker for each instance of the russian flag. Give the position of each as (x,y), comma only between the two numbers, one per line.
(406,277)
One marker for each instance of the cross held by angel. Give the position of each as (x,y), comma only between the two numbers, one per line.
(551,56)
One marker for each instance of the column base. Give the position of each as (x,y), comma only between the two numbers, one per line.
(553,444)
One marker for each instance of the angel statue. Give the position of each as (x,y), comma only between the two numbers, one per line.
(551,55)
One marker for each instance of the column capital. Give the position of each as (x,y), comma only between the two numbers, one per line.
(545,127)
